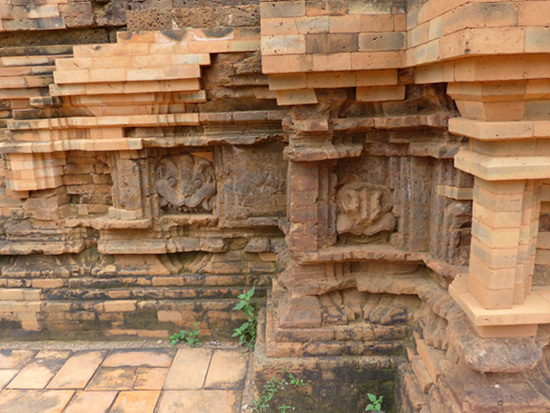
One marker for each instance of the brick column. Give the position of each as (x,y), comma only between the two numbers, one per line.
(508,156)
(34,171)
(312,218)
(311,209)
(504,232)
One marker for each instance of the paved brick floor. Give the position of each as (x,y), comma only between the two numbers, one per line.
(94,379)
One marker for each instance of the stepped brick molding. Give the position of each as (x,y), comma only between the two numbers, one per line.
(378,169)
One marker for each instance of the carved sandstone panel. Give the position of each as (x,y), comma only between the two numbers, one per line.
(364,211)
(411,180)
(450,214)
(254,180)
(185,183)
(364,200)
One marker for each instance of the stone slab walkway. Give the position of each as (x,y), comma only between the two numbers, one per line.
(97,379)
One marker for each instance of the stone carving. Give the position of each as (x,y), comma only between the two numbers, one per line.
(185,183)
(364,211)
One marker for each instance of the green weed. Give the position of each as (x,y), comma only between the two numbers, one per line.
(376,403)
(247,331)
(188,337)
(274,387)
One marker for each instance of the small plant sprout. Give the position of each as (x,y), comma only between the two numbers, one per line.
(188,337)
(247,331)
(294,381)
(376,403)
(273,387)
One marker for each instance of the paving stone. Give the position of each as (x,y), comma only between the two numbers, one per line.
(227,370)
(6,376)
(120,378)
(200,401)
(136,401)
(53,354)
(146,357)
(38,373)
(189,369)
(91,402)
(150,378)
(78,370)
(15,359)
(34,376)
(34,401)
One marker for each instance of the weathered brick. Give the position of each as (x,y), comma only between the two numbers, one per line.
(491,299)
(377,60)
(533,13)
(537,39)
(170,316)
(332,43)
(312,25)
(31,325)
(380,93)
(287,64)
(381,41)
(331,62)
(290,81)
(43,11)
(482,41)
(296,97)
(281,27)
(345,24)
(361,7)
(326,8)
(472,15)
(12,294)
(77,14)
(120,306)
(331,80)
(280,45)
(283,9)
(376,77)
(378,23)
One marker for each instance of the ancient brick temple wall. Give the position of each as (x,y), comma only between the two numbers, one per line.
(142,180)
(378,169)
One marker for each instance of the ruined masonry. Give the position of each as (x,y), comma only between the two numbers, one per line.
(378,169)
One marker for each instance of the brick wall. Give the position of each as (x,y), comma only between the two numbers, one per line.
(323,151)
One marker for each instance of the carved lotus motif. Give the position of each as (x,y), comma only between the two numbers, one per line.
(185,183)
(364,210)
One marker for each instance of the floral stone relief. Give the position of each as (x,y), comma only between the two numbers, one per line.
(185,183)
(364,211)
